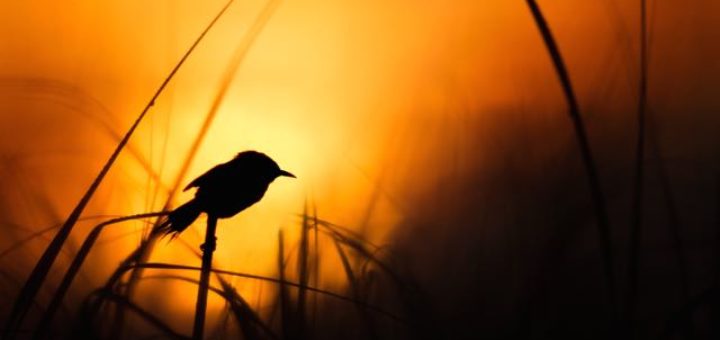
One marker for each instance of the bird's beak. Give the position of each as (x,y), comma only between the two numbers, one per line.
(286,174)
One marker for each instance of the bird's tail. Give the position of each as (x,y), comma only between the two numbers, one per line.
(179,219)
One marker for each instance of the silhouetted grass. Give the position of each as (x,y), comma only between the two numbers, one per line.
(354,286)
(61,92)
(303,262)
(241,309)
(287,330)
(147,316)
(316,264)
(37,276)
(208,248)
(45,323)
(367,267)
(251,324)
(677,242)
(37,234)
(596,193)
(228,77)
(291,322)
(282,282)
(637,203)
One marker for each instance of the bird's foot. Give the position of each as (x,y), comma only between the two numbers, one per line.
(210,246)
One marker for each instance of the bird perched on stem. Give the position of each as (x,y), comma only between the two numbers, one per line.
(225,190)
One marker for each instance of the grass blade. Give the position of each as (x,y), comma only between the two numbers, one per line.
(316,266)
(349,274)
(20,243)
(282,289)
(60,92)
(145,315)
(39,273)
(598,198)
(245,316)
(637,203)
(302,263)
(208,248)
(280,281)
(45,323)
(237,59)
(675,227)
(355,289)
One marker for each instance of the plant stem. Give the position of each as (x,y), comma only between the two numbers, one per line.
(29,291)
(637,213)
(585,152)
(45,323)
(201,306)
(237,59)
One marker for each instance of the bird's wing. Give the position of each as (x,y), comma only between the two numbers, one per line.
(211,174)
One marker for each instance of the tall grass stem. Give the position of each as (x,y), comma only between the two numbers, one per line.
(597,196)
(208,248)
(45,323)
(637,203)
(31,287)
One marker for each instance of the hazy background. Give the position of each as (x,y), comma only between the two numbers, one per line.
(436,128)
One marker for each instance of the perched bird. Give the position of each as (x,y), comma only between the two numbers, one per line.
(225,190)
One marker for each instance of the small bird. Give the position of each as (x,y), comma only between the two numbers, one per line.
(225,190)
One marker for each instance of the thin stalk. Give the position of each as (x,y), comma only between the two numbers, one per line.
(37,234)
(60,92)
(168,332)
(39,273)
(208,248)
(349,273)
(244,316)
(716,274)
(673,218)
(637,204)
(355,289)
(239,55)
(147,245)
(678,244)
(280,281)
(46,322)
(596,193)
(303,277)
(283,295)
(316,267)
(237,59)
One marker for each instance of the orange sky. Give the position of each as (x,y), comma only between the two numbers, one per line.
(366,102)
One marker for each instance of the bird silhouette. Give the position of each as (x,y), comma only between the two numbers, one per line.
(225,190)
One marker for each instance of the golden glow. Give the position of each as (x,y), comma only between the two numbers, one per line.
(365,101)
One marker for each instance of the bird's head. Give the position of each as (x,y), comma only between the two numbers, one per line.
(263,166)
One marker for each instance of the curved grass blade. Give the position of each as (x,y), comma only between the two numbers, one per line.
(596,193)
(21,243)
(60,92)
(239,305)
(355,289)
(145,315)
(238,57)
(273,280)
(245,316)
(32,285)
(45,323)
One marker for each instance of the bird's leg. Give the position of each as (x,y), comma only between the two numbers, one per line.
(209,245)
